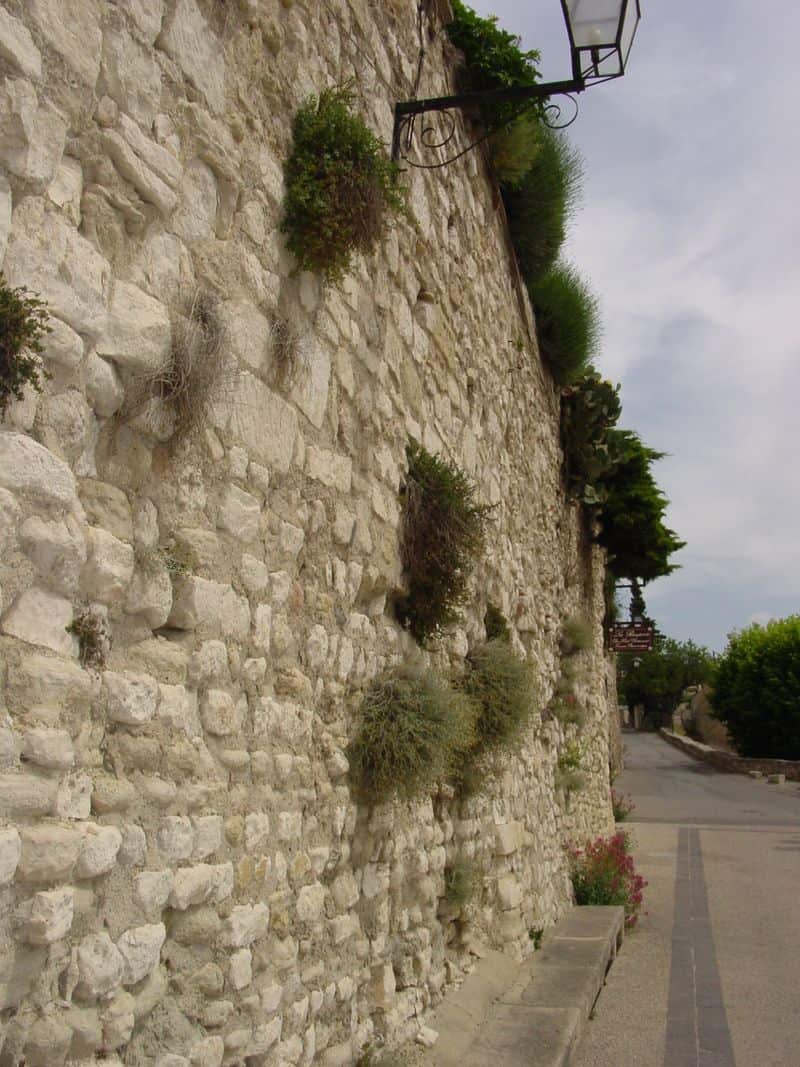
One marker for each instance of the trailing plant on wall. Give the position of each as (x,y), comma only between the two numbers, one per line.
(569,773)
(444,531)
(542,202)
(576,635)
(341,187)
(23,325)
(567,322)
(500,684)
(412,728)
(461,881)
(496,624)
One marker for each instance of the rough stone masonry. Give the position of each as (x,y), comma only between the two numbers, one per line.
(185,877)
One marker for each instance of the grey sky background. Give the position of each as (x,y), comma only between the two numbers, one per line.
(689,234)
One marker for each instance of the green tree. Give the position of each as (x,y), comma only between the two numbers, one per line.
(756,689)
(632,514)
(657,679)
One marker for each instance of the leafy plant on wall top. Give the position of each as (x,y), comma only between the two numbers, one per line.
(340,186)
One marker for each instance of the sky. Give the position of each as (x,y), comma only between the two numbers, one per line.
(689,234)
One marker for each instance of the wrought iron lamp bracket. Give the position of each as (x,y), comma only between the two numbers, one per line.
(408,131)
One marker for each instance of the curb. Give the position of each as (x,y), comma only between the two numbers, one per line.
(531,1014)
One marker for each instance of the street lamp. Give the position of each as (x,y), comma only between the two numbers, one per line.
(601,34)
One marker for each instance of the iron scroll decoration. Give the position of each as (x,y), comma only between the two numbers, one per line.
(423,136)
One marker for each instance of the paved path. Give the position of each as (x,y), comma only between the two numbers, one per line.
(711,978)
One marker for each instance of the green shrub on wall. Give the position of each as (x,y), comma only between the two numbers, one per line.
(540,207)
(412,728)
(340,186)
(23,325)
(444,530)
(567,322)
(590,408)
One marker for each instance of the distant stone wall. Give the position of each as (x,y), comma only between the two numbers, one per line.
(730,762)
(185,877)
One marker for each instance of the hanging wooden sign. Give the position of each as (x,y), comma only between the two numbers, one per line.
(631,637)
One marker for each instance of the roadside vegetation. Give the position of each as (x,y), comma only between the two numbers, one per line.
(756,689)
(657,679)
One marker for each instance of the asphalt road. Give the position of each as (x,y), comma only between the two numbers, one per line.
(711,976)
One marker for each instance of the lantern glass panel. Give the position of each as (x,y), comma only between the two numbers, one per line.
(629,30)
(595,23)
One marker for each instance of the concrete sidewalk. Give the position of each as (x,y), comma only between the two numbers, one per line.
(531,1014)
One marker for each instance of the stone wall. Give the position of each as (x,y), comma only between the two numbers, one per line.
(185,877)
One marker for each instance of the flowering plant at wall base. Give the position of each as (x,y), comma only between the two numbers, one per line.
(603,873)
(621,805)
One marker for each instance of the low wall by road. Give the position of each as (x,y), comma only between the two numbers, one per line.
(728,761)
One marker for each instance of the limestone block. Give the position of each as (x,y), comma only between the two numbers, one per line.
(170,1059)
(195,217)
(260,420)
(310,390)
(73,798)
(99,852)
(5,215)
(256,830)
(381,987)
(147,15)
(201,884)
(207,835)
(138,334)
(345,891)
(49,852)
(47,1042)
(87,1032)
(51,749)
(245,924)
(262,628)
(132,168)
(39,479)
(291,539)
(22,794)
(47,917)
(111,794)
(103,386)
(152,889)
(240,972)
(65,422)
(509,892)
(58,551)
(178,710)
(31,137)
(145,524)
(17,47)
(150,595)
(208,1052)
(108,507)
(66,188)
(159,159)
(282,721)
(118,1021)
(141,951)
(255,575)
(131,75)
(100,966)
(10,851)
(176,837)
(220,715)
(187,38)
(317,648)
(72,28)
(508,838)
(248,332)
(239,514)
(134,846)
(264,1037)
(10,514)
(331,469)
(131,698)
(41,618)
(200,603)
(311,903)
(70,274)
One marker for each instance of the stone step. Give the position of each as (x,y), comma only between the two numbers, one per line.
(508,1014)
